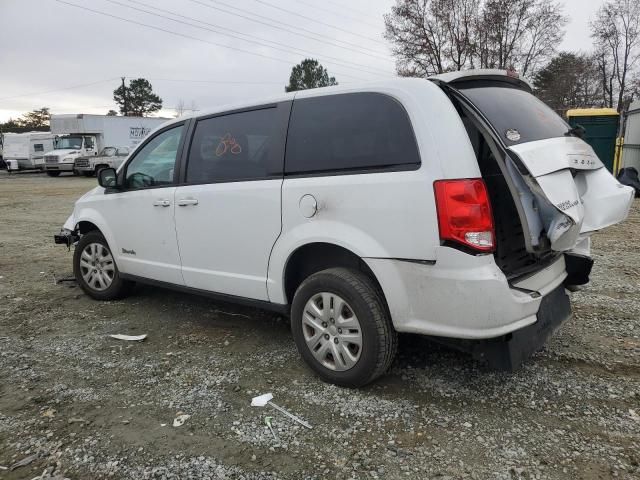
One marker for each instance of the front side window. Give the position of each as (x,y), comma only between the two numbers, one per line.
(235,147)
(516,114)
(108,152)
(38,147)
(353,131)
(154,164)
(65,143)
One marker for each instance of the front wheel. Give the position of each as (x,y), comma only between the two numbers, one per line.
(95,269)
(342,327)
(53,173)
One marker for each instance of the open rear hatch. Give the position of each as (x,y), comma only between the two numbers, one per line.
(560,188)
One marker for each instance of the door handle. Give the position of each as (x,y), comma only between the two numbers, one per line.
(162,203)
(185,202)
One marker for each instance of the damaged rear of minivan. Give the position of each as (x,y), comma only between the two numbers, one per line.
(548,192)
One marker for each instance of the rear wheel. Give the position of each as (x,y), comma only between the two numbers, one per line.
(53,173)
(342,328)
(95,269)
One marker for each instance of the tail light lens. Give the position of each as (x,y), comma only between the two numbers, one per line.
(464,213)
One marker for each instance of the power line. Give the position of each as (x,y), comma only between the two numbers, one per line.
(355,10)
(311,19)
(286,48)
(338,14)
(59,89)
(249,52)
(324,41)
(322,38)
(221,82)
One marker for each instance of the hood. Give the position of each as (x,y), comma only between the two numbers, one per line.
(63,152)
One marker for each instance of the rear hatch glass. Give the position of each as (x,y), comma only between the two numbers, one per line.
(517,115)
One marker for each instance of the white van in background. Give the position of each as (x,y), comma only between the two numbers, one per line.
(81,135)
(27,149)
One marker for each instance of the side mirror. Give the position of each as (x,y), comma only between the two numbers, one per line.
(107,178)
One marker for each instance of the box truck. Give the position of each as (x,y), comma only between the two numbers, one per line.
(26,150)
(85,135)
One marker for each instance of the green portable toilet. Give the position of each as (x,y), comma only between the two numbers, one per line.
(601,125)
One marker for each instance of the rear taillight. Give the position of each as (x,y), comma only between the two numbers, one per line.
(464,213)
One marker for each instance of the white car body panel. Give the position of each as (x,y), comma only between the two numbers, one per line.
(130,222)
(225,240)
(240,236)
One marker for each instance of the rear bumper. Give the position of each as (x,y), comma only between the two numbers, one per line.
(510,352)
(462,296)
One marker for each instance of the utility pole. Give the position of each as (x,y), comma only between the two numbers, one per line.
(124,95)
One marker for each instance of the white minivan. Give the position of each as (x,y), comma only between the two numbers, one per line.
(458,207)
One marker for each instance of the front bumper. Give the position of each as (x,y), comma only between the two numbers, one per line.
(66,237)
(60,167)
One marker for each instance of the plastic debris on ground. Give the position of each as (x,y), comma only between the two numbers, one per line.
(129,338)
(24,462)
(180,419)
(265,399)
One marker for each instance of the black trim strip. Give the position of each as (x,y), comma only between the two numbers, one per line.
(396,167)
(222,297)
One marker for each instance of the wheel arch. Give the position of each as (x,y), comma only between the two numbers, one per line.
(313,257)
(85,226)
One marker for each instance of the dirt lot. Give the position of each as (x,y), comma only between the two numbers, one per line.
(88,406)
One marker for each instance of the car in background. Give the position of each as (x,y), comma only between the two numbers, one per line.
(108,157)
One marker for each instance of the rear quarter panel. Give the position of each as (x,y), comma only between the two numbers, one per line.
(379,215)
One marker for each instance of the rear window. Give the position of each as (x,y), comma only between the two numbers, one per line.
(517,115)
(352,131)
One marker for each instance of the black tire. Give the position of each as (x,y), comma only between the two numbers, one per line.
(379,339)
(53,173)
(119,288)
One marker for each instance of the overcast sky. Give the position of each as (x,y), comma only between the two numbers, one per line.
(71,59)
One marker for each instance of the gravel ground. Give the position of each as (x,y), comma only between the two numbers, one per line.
(78,404)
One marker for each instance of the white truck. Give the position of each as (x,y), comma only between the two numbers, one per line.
(25,151)
(108,157)
(82,135)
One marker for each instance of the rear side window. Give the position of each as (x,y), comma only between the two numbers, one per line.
(355,131)
(236,147)
(517,115)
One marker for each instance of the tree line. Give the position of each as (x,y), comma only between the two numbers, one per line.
(429,37)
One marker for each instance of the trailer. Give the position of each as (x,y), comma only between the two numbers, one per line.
(26,150)
(83,135)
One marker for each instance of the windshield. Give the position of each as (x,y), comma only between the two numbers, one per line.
(72,143)
(108,152)
(517,115)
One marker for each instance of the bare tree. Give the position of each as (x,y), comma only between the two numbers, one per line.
(616,34)
(179,108)
(435,36)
